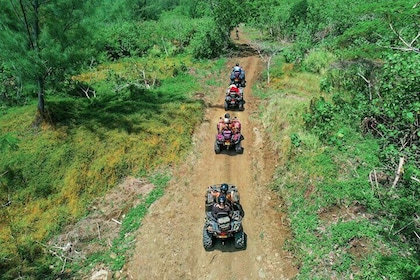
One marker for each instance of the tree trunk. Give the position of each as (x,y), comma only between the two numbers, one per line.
(41,103)
(41,83)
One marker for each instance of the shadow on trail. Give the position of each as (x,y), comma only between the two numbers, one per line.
(130,111)
(227,245)
(220,106)
(231,153)
(242,50)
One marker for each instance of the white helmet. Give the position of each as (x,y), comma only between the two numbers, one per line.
(227,120)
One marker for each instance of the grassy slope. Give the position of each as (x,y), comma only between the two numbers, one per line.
(55,171)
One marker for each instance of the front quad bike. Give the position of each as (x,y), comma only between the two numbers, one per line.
(230,226)
(232,229)
(234,101)
(227,141)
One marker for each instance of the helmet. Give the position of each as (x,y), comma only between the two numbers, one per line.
(227,115)
(224,188)
(237,64)
(226,120)
(221,199)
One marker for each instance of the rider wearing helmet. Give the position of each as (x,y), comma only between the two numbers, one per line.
(224,123)
(238,72)
(227,120)
(236,68)
(224,188)
(224,191)
(220,206)
(227,193)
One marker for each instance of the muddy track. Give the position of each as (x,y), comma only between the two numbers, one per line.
(169,242)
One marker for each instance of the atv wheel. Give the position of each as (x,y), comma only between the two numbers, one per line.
(238,207)
(226,106)
(207,239)
(208,207)
(209,201)
(241,106)
(239,149)
(240,242)
(217,148)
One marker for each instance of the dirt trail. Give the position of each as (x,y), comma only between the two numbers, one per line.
(169,242)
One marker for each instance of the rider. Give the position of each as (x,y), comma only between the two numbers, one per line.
(227,133)
(220,206)
(231,198)
(224,123)
(233,88)
(223,191)
(236,125)
(239,72)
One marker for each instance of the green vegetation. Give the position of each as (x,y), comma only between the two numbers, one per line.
(342,133)
(343,225)
(96,91)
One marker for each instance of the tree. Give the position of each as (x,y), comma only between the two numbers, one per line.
(43,41)
(227,14)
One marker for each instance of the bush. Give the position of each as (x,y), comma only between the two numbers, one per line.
(318,62)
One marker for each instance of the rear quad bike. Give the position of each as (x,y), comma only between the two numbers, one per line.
(235,101)
(230,226)
(226,140)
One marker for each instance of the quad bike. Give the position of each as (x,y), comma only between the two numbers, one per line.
(226,140)
(234,100)
(230,224)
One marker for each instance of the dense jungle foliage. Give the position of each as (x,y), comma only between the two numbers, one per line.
(84,82)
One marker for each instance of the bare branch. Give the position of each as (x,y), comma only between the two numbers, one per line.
(368,83)
(99,230)
(118,222)
(415,179)
(400,170)
(7,203)
(266,58)
(398,231)
(409,46)
(87,90)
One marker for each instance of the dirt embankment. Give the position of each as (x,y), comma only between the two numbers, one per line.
(169,242)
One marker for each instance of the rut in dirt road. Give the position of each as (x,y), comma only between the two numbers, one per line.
(169,242)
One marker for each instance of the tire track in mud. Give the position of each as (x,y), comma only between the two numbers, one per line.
(169,242)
